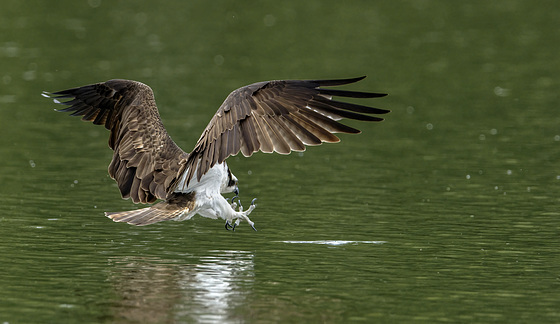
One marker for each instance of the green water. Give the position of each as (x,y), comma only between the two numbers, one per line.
(445,212)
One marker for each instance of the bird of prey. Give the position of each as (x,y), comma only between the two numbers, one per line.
(271,116)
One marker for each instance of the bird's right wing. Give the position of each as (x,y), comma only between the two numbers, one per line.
(146,161)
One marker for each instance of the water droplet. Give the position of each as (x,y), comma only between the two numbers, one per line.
(29,75)
(501,92)
(94,3)
(269,20)
(10,49)
(104,65)
(429,126)
(219,59)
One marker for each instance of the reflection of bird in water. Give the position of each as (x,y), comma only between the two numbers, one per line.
(206,288)
(147,289)
(274,116)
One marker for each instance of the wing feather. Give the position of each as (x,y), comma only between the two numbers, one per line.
(263,136)
(280,143)
(293,141)
(146,162)
(278,116)
(273,116)
(249,134)
(321,132)
(302,133)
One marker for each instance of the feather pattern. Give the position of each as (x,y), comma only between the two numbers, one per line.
(273,116)
(278,116)
(143,151)
(174,207)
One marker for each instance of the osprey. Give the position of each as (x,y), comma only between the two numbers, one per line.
(272,116)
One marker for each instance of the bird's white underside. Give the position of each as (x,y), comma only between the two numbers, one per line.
(209,201)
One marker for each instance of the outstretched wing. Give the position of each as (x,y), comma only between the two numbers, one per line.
(146,161)
(277,116)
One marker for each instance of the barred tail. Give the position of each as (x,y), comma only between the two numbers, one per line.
(162,211)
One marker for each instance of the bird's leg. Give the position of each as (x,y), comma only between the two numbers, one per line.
(239,214)
(245,214)
(241,207)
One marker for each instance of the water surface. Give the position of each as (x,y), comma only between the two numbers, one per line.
(445,212)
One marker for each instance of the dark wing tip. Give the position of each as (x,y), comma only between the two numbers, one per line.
(344,93)
(350,93)
(336,82)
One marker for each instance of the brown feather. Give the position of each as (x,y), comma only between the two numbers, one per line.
(300,131)
(315,128)
(173,207)
(138,138)
(280,116)
(279,142)
(262,134)
(273,116)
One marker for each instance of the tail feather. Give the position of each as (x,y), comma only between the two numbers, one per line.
(162,211)
(144,216)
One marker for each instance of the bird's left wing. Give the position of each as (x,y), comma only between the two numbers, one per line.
(277,116)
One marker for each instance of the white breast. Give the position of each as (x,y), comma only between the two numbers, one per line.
(211,181)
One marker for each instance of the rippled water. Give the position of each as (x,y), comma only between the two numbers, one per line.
(445,212)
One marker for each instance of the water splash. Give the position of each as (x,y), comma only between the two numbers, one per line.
(334,242)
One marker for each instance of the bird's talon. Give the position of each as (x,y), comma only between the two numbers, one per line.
(253,201)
